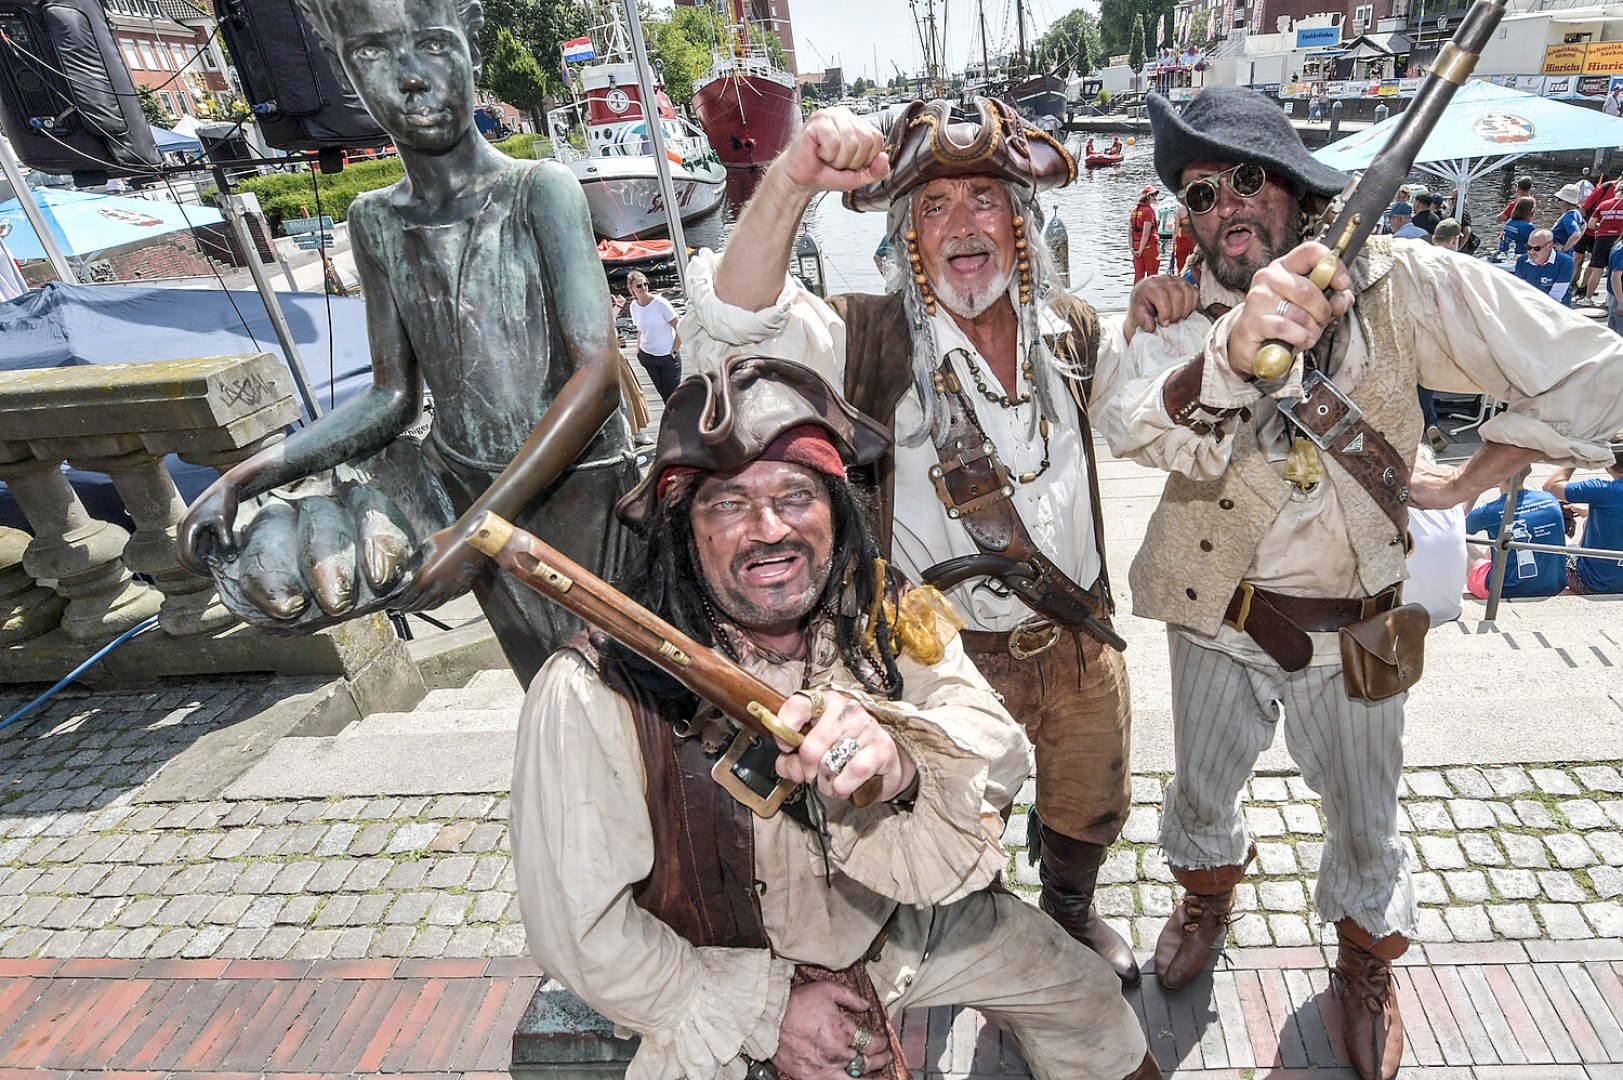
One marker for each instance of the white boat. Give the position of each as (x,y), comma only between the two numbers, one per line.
(616,169)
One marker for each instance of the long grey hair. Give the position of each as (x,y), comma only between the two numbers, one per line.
(1046,368)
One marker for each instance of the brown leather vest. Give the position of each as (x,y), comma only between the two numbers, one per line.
(878,374)
(702,884)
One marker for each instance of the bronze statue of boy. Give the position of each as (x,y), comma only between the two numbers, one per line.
(482,280)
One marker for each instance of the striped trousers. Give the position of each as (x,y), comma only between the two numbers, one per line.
(1224,713)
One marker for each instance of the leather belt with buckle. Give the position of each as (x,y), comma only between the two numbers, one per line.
(1027,641)
(1280,624)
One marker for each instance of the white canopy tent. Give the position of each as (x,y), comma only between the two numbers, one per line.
(1485,127)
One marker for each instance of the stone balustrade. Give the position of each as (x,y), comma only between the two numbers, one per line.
(122,420)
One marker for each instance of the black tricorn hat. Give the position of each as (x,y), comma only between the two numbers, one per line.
(721,420)
(1232,123)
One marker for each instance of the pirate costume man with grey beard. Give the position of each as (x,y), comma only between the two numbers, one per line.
(980,363)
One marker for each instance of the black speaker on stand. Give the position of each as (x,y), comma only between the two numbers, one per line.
(67,102)
(300,101)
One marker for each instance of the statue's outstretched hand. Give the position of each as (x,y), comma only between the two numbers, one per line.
(206,532)
(446,568)
(835,150)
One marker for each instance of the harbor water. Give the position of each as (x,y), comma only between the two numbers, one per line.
(1095,211)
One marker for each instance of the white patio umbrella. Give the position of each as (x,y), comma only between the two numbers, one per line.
(1485,127)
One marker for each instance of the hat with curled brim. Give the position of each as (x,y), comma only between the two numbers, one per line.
(1237,125)
(752,408)
(928,142)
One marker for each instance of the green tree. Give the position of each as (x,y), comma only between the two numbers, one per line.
(860,87)
(153,109)
(1167,39)
(1198,24)
(1116,18)
(540,27)
(1071,45)
(513,74)
(1135,48)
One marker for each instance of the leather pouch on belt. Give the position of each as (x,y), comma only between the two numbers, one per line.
(1382,656)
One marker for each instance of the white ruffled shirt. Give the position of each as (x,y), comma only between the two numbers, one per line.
(582,841)
(1056,507)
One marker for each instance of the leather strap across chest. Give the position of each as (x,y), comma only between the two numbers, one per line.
(977,490)
(1337,426)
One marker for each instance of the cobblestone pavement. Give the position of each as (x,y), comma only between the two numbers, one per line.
(1516,869)
(87,870)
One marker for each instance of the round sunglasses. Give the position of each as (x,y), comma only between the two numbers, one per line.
(1244,180)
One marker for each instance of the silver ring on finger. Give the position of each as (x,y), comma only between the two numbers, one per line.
(1284,308)
(838,757)
(858,1066)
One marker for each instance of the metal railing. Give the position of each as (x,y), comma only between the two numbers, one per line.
(1503,544)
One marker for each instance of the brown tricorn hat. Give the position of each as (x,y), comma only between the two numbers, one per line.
(721,420)
(925,143)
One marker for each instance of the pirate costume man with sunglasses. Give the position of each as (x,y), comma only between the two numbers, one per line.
(743,945)
(978,361)
(1284,520)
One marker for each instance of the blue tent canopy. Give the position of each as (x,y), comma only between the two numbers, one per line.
(173,142)
(60,325)
(85,222)
(1485,127)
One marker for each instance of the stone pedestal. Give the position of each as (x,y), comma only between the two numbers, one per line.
(562,1038)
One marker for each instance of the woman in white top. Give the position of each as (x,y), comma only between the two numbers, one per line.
(657,339)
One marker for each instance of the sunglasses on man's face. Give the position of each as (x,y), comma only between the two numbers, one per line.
(1537,247)
(1244,180)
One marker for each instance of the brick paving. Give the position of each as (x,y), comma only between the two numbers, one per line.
(309,916)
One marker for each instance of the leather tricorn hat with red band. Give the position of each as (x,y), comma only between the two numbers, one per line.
(927,143)
(721,420)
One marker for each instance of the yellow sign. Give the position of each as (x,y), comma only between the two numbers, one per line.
(1604,58)
(1564,59)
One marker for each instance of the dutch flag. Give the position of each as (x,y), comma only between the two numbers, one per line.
(579,49)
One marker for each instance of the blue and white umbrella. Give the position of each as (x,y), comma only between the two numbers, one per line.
(85,222)
(173,142)
(1485,127)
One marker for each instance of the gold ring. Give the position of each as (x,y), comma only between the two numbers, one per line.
(818,701)
(860,1038)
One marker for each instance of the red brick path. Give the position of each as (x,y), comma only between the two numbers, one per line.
(1476,1012)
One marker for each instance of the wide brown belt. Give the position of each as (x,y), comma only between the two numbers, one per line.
(1281,624)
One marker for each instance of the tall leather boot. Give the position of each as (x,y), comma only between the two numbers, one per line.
(1147,1069)
(1069,869)
(1198,922)
(1373,1028)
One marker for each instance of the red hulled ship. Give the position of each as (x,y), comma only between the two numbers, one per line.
(747,105)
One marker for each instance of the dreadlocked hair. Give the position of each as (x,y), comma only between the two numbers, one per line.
(1047,369)
(671,582)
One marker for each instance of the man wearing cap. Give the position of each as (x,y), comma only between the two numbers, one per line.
(1399,221)
(974,346)
(1274,533)
(725,938)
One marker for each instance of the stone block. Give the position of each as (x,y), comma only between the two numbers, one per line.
(562,1038)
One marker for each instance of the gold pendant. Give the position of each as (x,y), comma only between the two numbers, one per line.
(1303,467)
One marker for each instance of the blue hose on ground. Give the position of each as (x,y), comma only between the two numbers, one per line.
(78,671)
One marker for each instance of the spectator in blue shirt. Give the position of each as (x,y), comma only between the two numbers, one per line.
(1538,521)
(1546,269)
(1603,531)
(1519,227)
(1614,282)
(1569,227)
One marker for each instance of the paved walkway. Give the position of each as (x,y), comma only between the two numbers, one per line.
(334,922)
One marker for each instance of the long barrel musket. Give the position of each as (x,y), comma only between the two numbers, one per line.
(1354,213)
(703,670)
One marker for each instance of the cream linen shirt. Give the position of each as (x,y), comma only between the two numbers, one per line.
(1056,508)
(582,841)
(1478,329)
